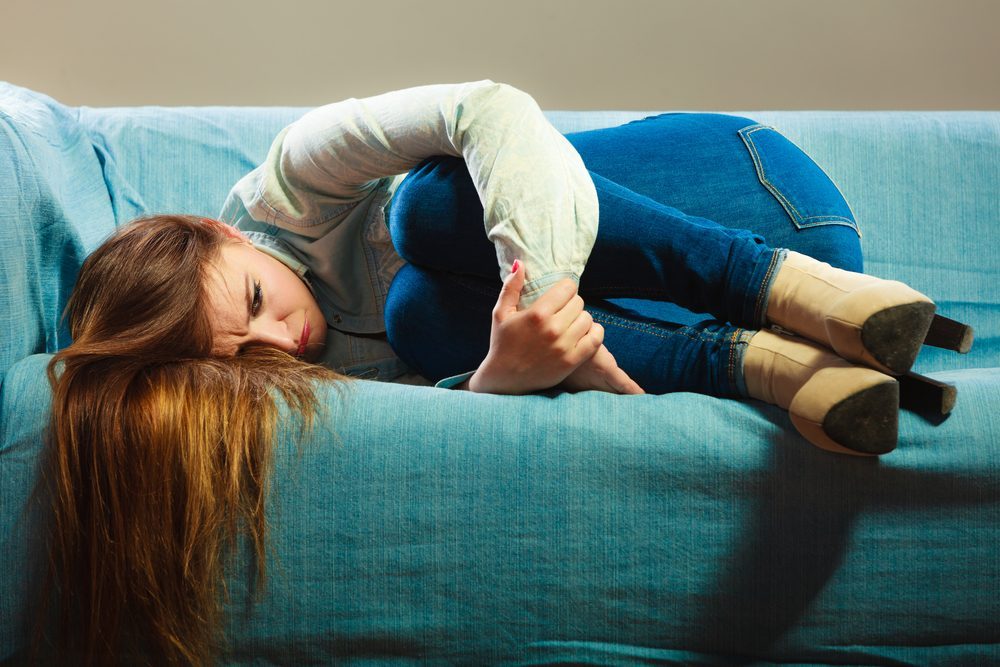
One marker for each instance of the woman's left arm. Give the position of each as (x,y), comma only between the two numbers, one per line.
(540,205)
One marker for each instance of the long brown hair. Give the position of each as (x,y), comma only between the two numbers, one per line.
(159,454)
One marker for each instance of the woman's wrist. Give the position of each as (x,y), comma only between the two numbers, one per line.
(475,383)
(484,382)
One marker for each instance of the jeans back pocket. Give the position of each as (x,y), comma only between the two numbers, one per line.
(799,184)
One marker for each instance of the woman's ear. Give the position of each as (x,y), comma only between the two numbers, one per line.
(227,230)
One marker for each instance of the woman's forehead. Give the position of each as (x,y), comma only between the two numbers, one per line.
(226,288)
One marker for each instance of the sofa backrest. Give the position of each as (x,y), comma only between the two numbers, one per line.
(179,159)
(54,209)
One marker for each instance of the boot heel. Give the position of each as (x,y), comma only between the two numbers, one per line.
(924,395)
(949,334)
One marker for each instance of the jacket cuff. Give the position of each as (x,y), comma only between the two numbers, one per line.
(533,289)
(454,380)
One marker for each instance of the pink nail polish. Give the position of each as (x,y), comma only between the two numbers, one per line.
(515,265)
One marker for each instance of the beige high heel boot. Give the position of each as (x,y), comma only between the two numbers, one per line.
(833,403)
(880,323)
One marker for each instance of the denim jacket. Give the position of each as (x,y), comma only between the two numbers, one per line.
(319,201)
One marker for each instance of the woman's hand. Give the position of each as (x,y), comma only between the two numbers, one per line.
(539,347)
(542,346)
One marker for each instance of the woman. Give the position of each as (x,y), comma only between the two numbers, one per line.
(164,407)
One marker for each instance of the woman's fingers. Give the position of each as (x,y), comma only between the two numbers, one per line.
(602,373)
(510,293)
(554,299)
(583,339)
(622,383)
(618,379)
(572,323)
(569,314)
(563,322)
(557,315)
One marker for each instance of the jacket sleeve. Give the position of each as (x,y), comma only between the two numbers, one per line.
(539,201)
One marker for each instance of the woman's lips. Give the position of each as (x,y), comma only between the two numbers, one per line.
(303,339)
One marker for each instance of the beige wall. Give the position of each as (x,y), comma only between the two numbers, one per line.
(583,54)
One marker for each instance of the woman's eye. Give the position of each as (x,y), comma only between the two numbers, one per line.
(257,298)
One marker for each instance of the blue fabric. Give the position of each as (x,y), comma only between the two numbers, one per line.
(422,525)
(179,159)
(53,212)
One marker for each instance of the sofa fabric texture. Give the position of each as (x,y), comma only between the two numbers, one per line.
(415,524)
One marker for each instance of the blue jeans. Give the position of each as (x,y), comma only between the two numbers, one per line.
(680,272)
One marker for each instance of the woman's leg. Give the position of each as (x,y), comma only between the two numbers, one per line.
(644,249)
(439,324)
(727,173)
(733,171)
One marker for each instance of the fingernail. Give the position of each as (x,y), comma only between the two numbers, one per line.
(515,265)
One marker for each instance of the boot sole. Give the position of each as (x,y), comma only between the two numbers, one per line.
(895,335)
(863,421)
(866,422)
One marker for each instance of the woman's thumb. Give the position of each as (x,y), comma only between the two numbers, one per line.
(510,293)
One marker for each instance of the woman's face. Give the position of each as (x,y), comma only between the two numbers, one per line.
(257,300)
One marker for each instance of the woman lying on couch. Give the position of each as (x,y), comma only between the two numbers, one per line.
(183,327)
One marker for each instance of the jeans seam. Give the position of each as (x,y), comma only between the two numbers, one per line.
(818,219)
(797,218)
(844,222)
(627,291)
(735,373)
(731,370)
(473,284)
(759,167)
(758,316)
(625,324)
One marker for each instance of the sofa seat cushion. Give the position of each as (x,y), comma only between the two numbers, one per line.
(589,525)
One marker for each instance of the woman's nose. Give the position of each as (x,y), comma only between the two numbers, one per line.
(272,333)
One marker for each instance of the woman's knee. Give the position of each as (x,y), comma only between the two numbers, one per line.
(432,207)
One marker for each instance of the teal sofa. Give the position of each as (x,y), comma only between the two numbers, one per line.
(420,525)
